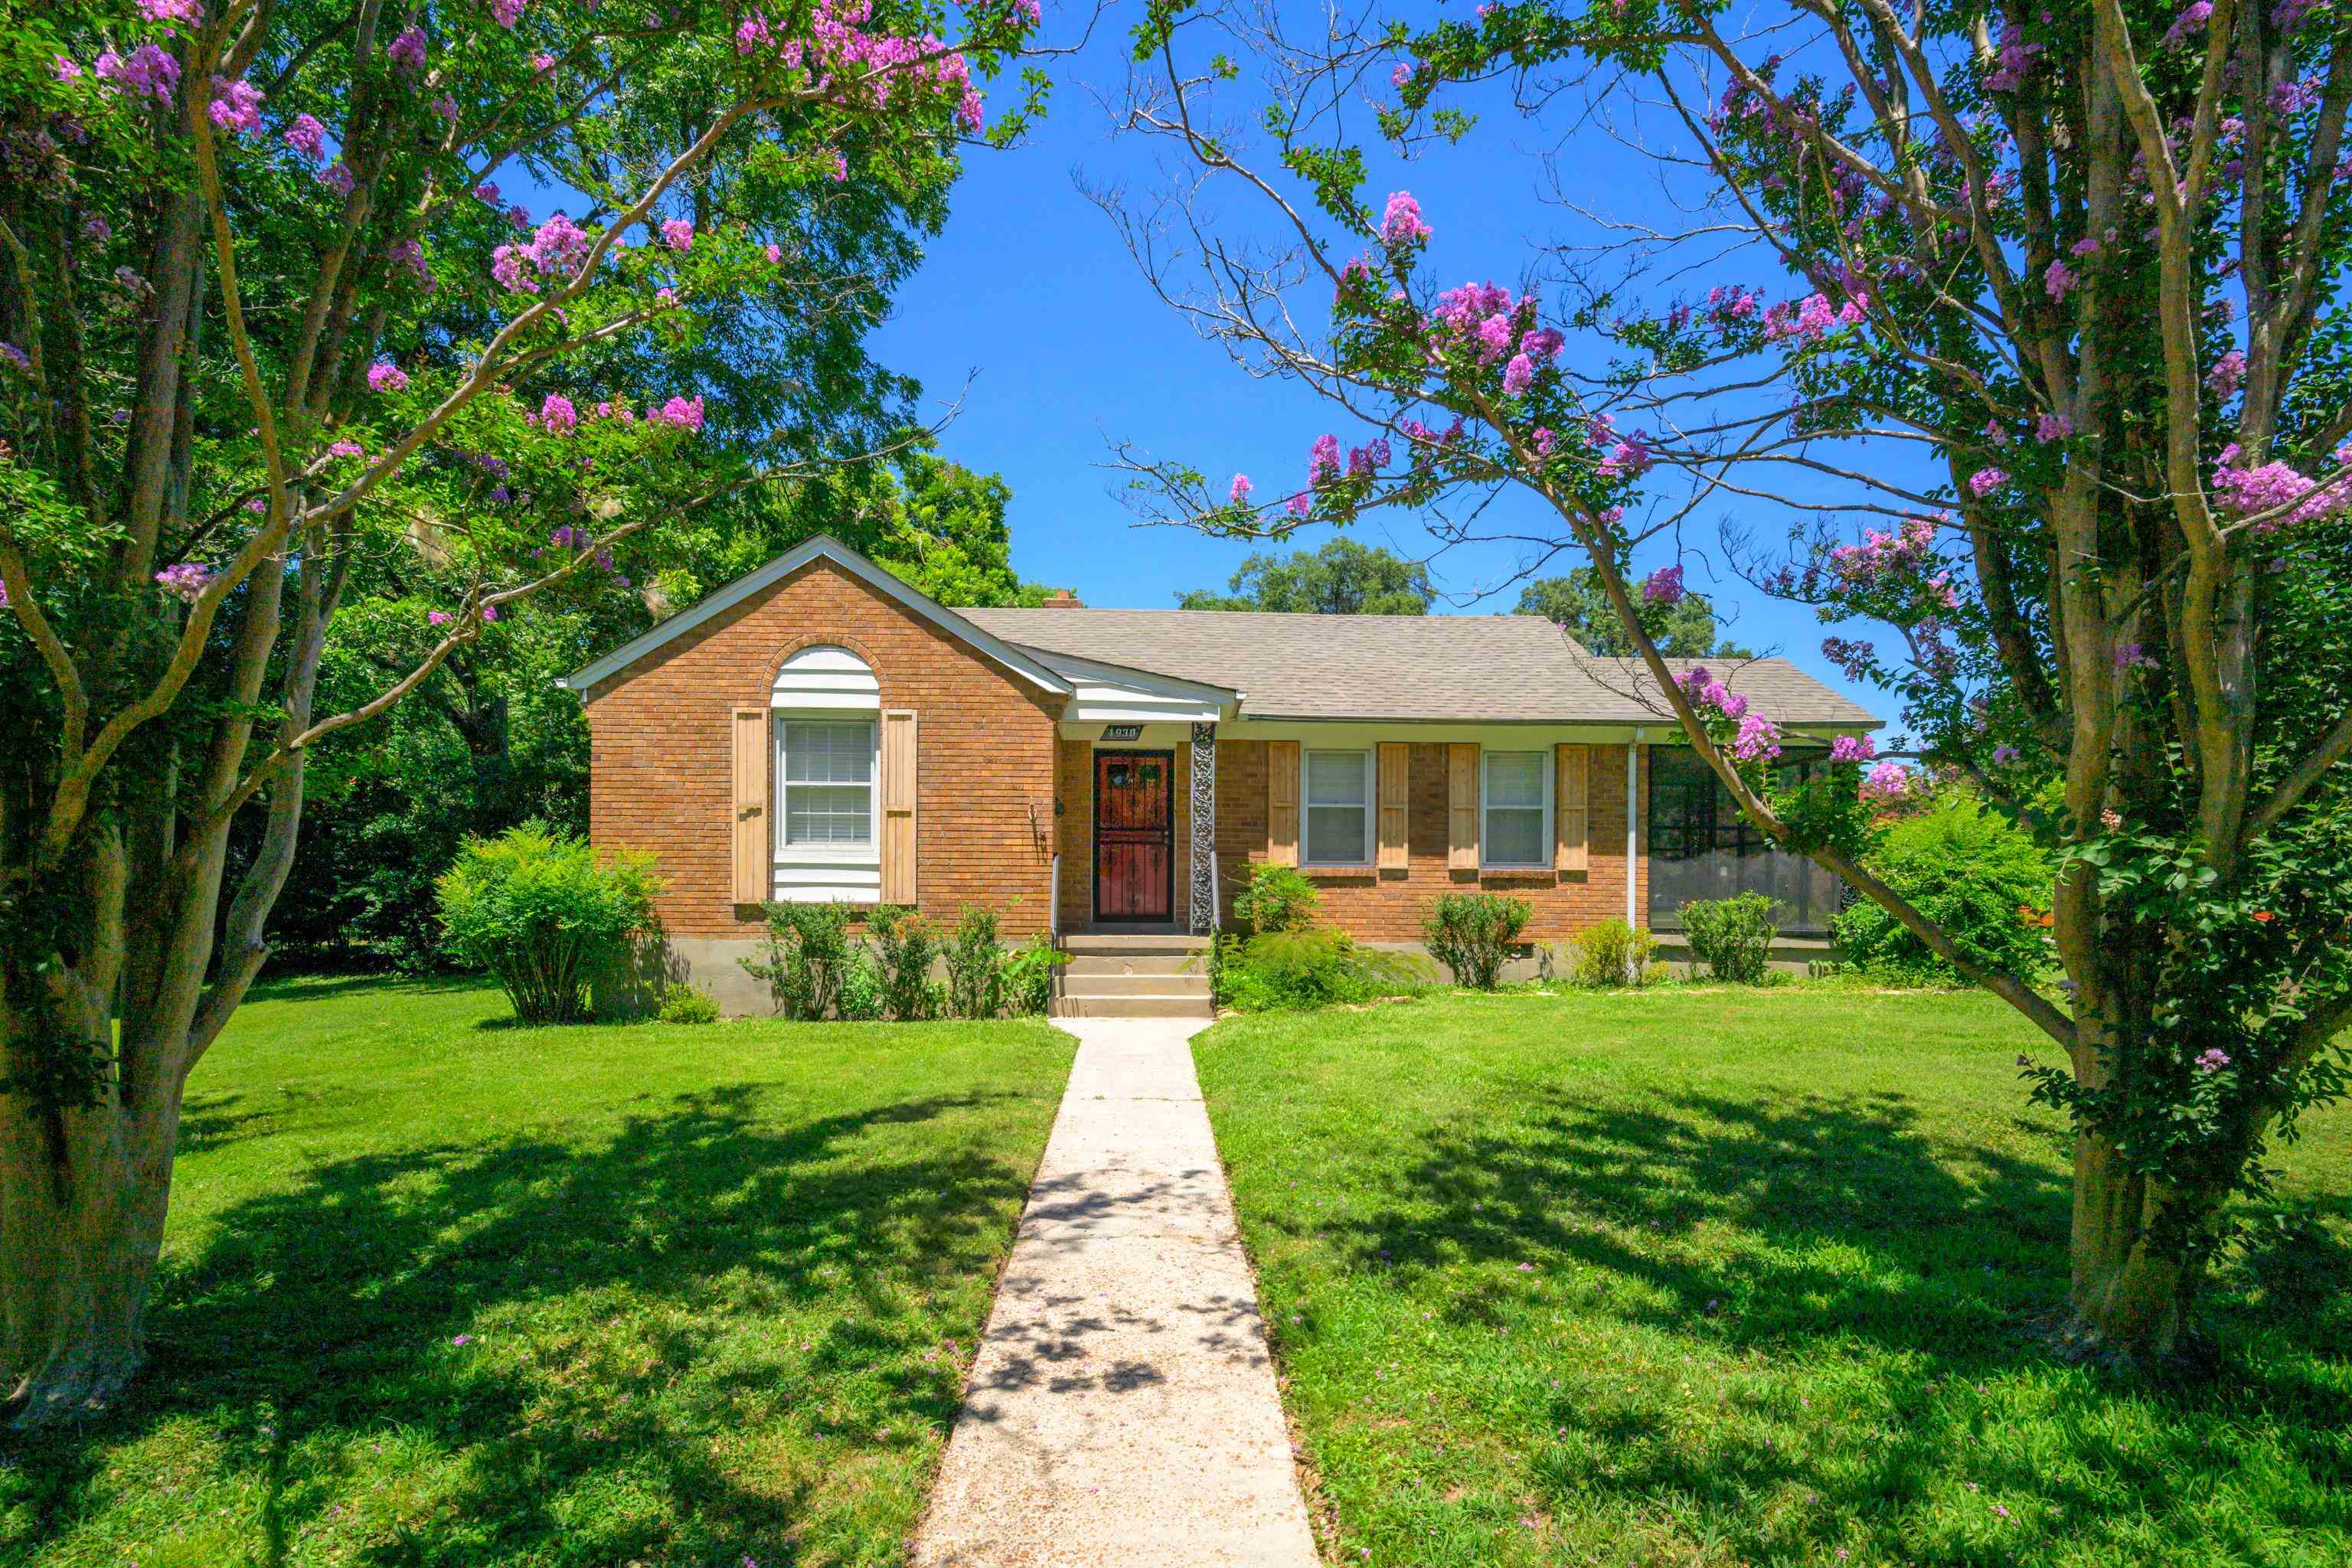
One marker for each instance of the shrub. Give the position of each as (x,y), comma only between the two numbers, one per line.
(1968,870)
(1281,970)
(1277,899)
(1614,953)
(1473,933)
(808,955)
(1027,973)
(685,1004)
(975,966)
(904,946)
(1733,937)
(542,912)
(861,988)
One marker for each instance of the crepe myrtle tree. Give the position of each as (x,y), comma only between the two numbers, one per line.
(265,316)
(2071,279)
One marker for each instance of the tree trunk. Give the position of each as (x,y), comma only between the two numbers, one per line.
(82,1199)
(2129,1298)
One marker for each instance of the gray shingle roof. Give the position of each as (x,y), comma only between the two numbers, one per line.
(1464,668)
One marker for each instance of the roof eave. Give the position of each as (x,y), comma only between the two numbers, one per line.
(826,546)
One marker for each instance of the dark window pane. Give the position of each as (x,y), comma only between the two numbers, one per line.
(1701,848)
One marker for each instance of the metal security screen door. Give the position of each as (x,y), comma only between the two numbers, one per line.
(1135,846)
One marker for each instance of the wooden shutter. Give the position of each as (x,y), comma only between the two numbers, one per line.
(1396,802)
(1461,807)
(1282,803)
(754,852)
(1571,814)
(899,779)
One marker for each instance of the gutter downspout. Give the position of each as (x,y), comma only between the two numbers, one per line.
(1632,843)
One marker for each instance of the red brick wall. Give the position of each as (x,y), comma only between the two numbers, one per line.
(1373,906)
(659,755)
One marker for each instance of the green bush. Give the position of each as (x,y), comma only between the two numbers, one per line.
(1733,937)
(1966,868)
(975,966)
(808,957)
(1281,970)
(1027,973)
(860,1000)
(685,1004)
(1614,953)
(904,946)
(1473,933)
(542,912)
(1278,898)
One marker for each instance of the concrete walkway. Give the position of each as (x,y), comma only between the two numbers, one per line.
(1122,1409)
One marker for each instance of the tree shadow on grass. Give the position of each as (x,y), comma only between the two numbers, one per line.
(319,1325)
(1821,1229)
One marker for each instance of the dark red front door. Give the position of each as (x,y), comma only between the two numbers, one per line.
(1134,848)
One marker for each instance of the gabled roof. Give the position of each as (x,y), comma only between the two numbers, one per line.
(1019,662)
(1438,668)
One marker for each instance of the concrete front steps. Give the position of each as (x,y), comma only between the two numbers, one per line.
(1133,975)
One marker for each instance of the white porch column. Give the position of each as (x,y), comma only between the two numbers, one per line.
(1204,902)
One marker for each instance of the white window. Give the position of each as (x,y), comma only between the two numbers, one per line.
(1335,799)
(825,770)
(1516,801)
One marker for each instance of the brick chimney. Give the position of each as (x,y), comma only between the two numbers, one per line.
(1063,599)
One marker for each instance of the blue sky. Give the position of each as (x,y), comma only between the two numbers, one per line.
(1031,293)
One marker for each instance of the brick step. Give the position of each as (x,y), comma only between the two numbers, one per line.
(1135,985)
(1088,1007)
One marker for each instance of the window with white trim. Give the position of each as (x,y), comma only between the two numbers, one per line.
(1515,807)
(1335,807)
(825,773)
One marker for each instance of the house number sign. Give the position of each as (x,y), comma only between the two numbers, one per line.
(1122,732)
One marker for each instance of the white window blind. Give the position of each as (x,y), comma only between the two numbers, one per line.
(1516,830)
(826,779)
(1336,798)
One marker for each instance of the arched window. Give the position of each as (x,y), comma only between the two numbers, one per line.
(826,705)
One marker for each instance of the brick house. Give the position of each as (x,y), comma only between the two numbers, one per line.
(819,729)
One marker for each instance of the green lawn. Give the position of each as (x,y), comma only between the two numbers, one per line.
(445,1292)
(1710,1277)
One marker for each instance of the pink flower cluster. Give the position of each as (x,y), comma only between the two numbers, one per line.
(2013,61)
(1323,460)
(307,137)
(559,247)
(684,413)
(147,72)
(506,12)
(2227,373)
(556,416)
(1888,559)
(1240,494)
(1758,737)
(235,107)
(868,68)
(409,254)
(1853,749)
(2191,21)
(1402,225)
(186,581)
(1663,586)
(1811,318)
(1482,315)
(2056,279)
(678,234)
(385,376)
(1888,781)
(2278,487)
(1984,481)
(338,177)
(190,11)
(407,50)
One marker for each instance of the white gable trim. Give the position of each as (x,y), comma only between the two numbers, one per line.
(784,565)
(1123,694)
